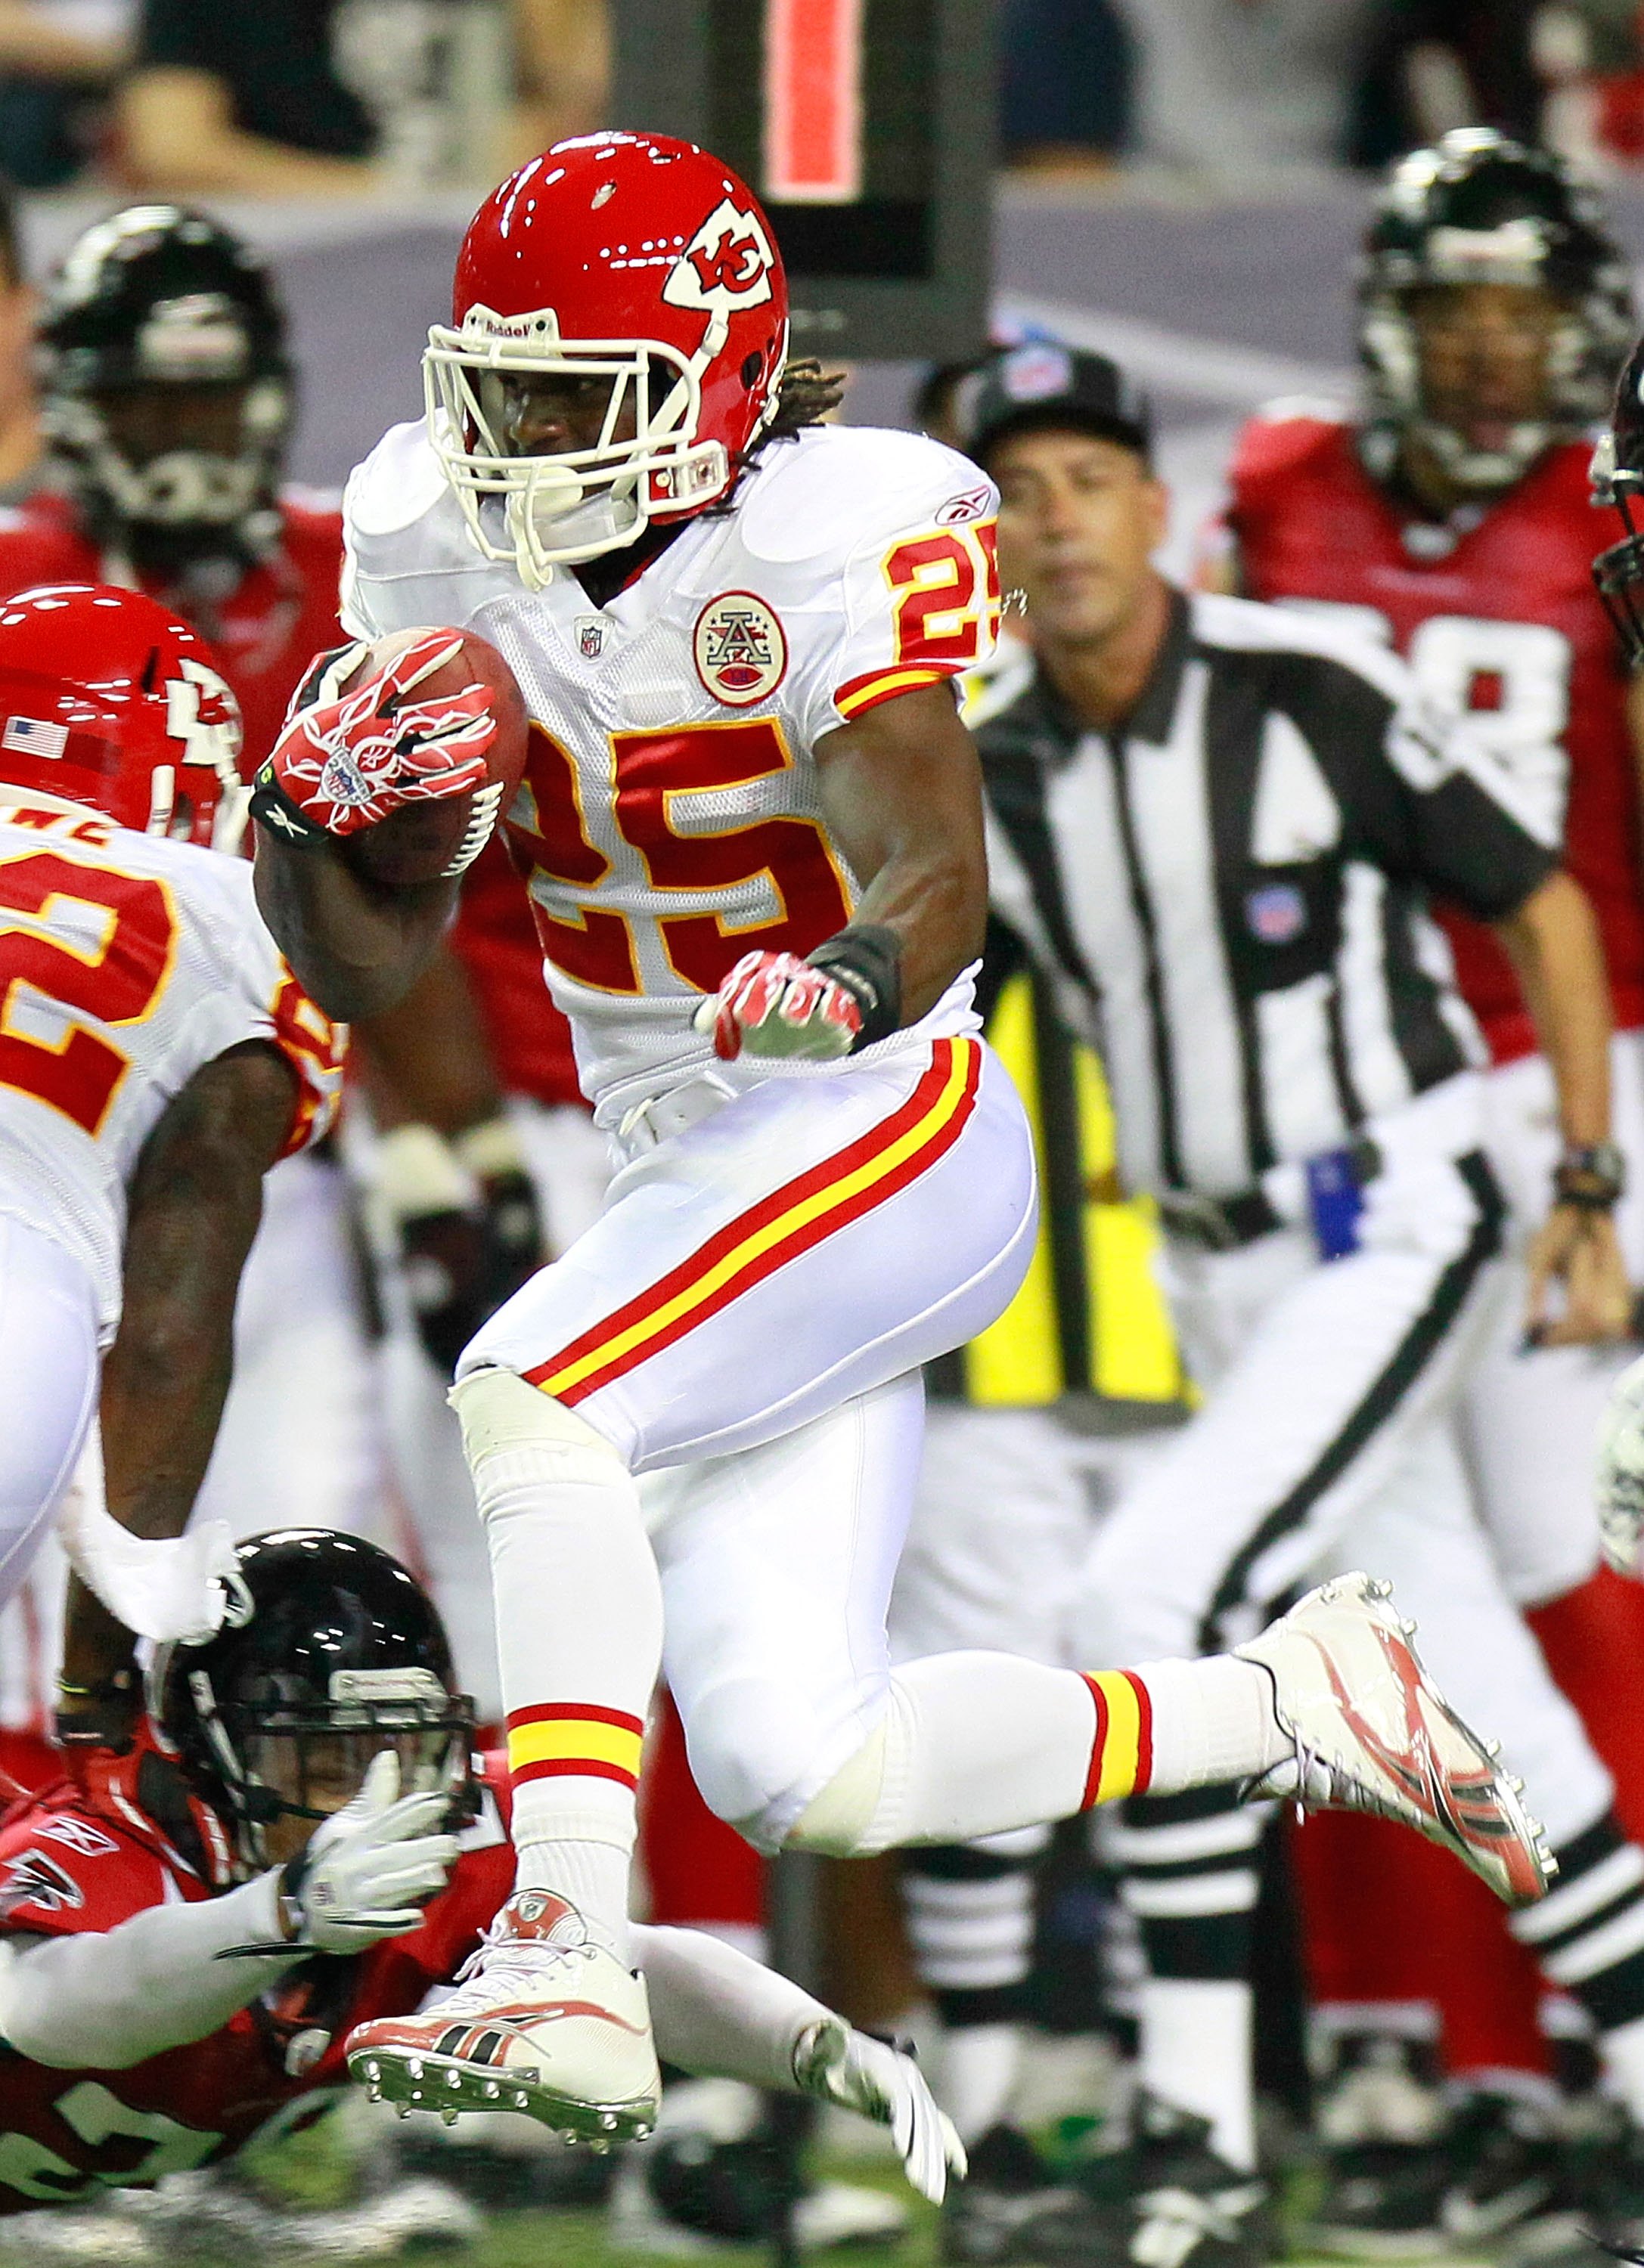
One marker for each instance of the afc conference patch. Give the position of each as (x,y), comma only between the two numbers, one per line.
(1276,914)
(741,649)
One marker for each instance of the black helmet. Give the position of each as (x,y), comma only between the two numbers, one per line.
(339,1653)
(154,299)
(1478,209)
(1618,479)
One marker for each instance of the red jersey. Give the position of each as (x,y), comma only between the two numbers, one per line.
(494,937)
(1500,622)
(66,1865)
(263,634)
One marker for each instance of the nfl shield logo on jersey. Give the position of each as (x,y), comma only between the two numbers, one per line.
(741,649)
(590,635)
(1277,914)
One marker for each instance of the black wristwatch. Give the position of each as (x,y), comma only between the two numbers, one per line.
(1591,1174)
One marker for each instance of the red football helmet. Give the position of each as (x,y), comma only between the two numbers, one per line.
(108,701)
(626,257)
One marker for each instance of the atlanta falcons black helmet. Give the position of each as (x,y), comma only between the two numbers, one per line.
(1618,478)
(338,1654)
(1479,209)
(166,389)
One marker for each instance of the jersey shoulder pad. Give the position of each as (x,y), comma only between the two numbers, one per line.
(1286,435)
(63,1872)
(397,485)
(838,487)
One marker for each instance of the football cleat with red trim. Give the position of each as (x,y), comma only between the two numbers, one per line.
(1372,1733)
(544,2019)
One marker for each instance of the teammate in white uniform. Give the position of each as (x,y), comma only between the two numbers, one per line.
(733,633)
(155,1056)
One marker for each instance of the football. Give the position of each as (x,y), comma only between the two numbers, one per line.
(433,841)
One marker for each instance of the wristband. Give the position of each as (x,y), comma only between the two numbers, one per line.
(274,810)
(866,960)
(1591,1176)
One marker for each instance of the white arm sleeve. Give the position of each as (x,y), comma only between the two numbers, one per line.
(111,1999)
(718,2015)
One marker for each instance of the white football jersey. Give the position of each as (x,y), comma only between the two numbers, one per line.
(126,962)
(671,816)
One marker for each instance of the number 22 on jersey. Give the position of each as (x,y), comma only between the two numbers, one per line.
(76,940)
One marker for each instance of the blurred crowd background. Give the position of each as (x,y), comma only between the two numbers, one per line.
(316,97)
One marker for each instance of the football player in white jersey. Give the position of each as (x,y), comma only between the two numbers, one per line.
(155,1056)
(750,826)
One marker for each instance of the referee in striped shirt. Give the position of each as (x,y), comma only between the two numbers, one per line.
(1217,825)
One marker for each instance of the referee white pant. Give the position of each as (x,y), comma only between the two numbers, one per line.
(1324,1443)
(1530,1420)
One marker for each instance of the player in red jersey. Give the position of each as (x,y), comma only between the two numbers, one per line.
(1452,520)
(187,1934)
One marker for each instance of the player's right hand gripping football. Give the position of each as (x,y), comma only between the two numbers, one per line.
(344,761)
(773,1004)
(1621,1473)
(367,1872)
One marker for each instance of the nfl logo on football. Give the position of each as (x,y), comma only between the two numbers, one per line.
(741,649)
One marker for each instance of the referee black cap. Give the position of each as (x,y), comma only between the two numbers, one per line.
(1043,385)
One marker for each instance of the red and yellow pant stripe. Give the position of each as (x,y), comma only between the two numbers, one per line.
(1121,1755)
(791,1220)
(565,1739)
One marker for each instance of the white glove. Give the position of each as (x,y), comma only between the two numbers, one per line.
(1620,1479)
(183,1589)
(367,1871)
(837,2064)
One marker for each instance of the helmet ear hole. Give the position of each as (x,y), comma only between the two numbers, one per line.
(752,364)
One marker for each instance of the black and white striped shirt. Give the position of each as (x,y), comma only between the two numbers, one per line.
(1232,888)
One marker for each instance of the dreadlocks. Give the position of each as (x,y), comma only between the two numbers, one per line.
(805,395)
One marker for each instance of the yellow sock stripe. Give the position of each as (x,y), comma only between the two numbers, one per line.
(798,1216)
(1119,1768)
(573,1740)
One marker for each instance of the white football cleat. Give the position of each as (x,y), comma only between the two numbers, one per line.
(544,2019)
(1372,1733)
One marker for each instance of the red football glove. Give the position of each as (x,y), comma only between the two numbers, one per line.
(350,758)
(773,1004)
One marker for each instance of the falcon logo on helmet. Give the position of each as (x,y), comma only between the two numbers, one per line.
(578,312)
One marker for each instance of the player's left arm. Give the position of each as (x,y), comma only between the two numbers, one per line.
(901,793)
(1552,941)
(194,1206)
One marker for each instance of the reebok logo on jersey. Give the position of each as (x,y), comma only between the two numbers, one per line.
(32,1879)
(959,510)
(740,648)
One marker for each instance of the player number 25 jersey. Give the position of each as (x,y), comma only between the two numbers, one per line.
(126,963)
(671,815)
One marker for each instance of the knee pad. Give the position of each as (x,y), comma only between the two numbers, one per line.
(501,1416)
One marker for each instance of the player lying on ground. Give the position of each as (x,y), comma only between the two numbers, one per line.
(188,1932)
(751,826)
(157,1057)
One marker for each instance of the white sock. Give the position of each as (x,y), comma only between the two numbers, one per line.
(976,2075)
(1622,2051)
(1197,2053)
(590,1876)
(1212,1720)
(578,1637)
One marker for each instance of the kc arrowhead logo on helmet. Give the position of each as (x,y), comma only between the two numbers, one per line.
(728,264)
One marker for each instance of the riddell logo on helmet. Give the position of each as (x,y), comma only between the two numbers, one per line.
(726,265)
